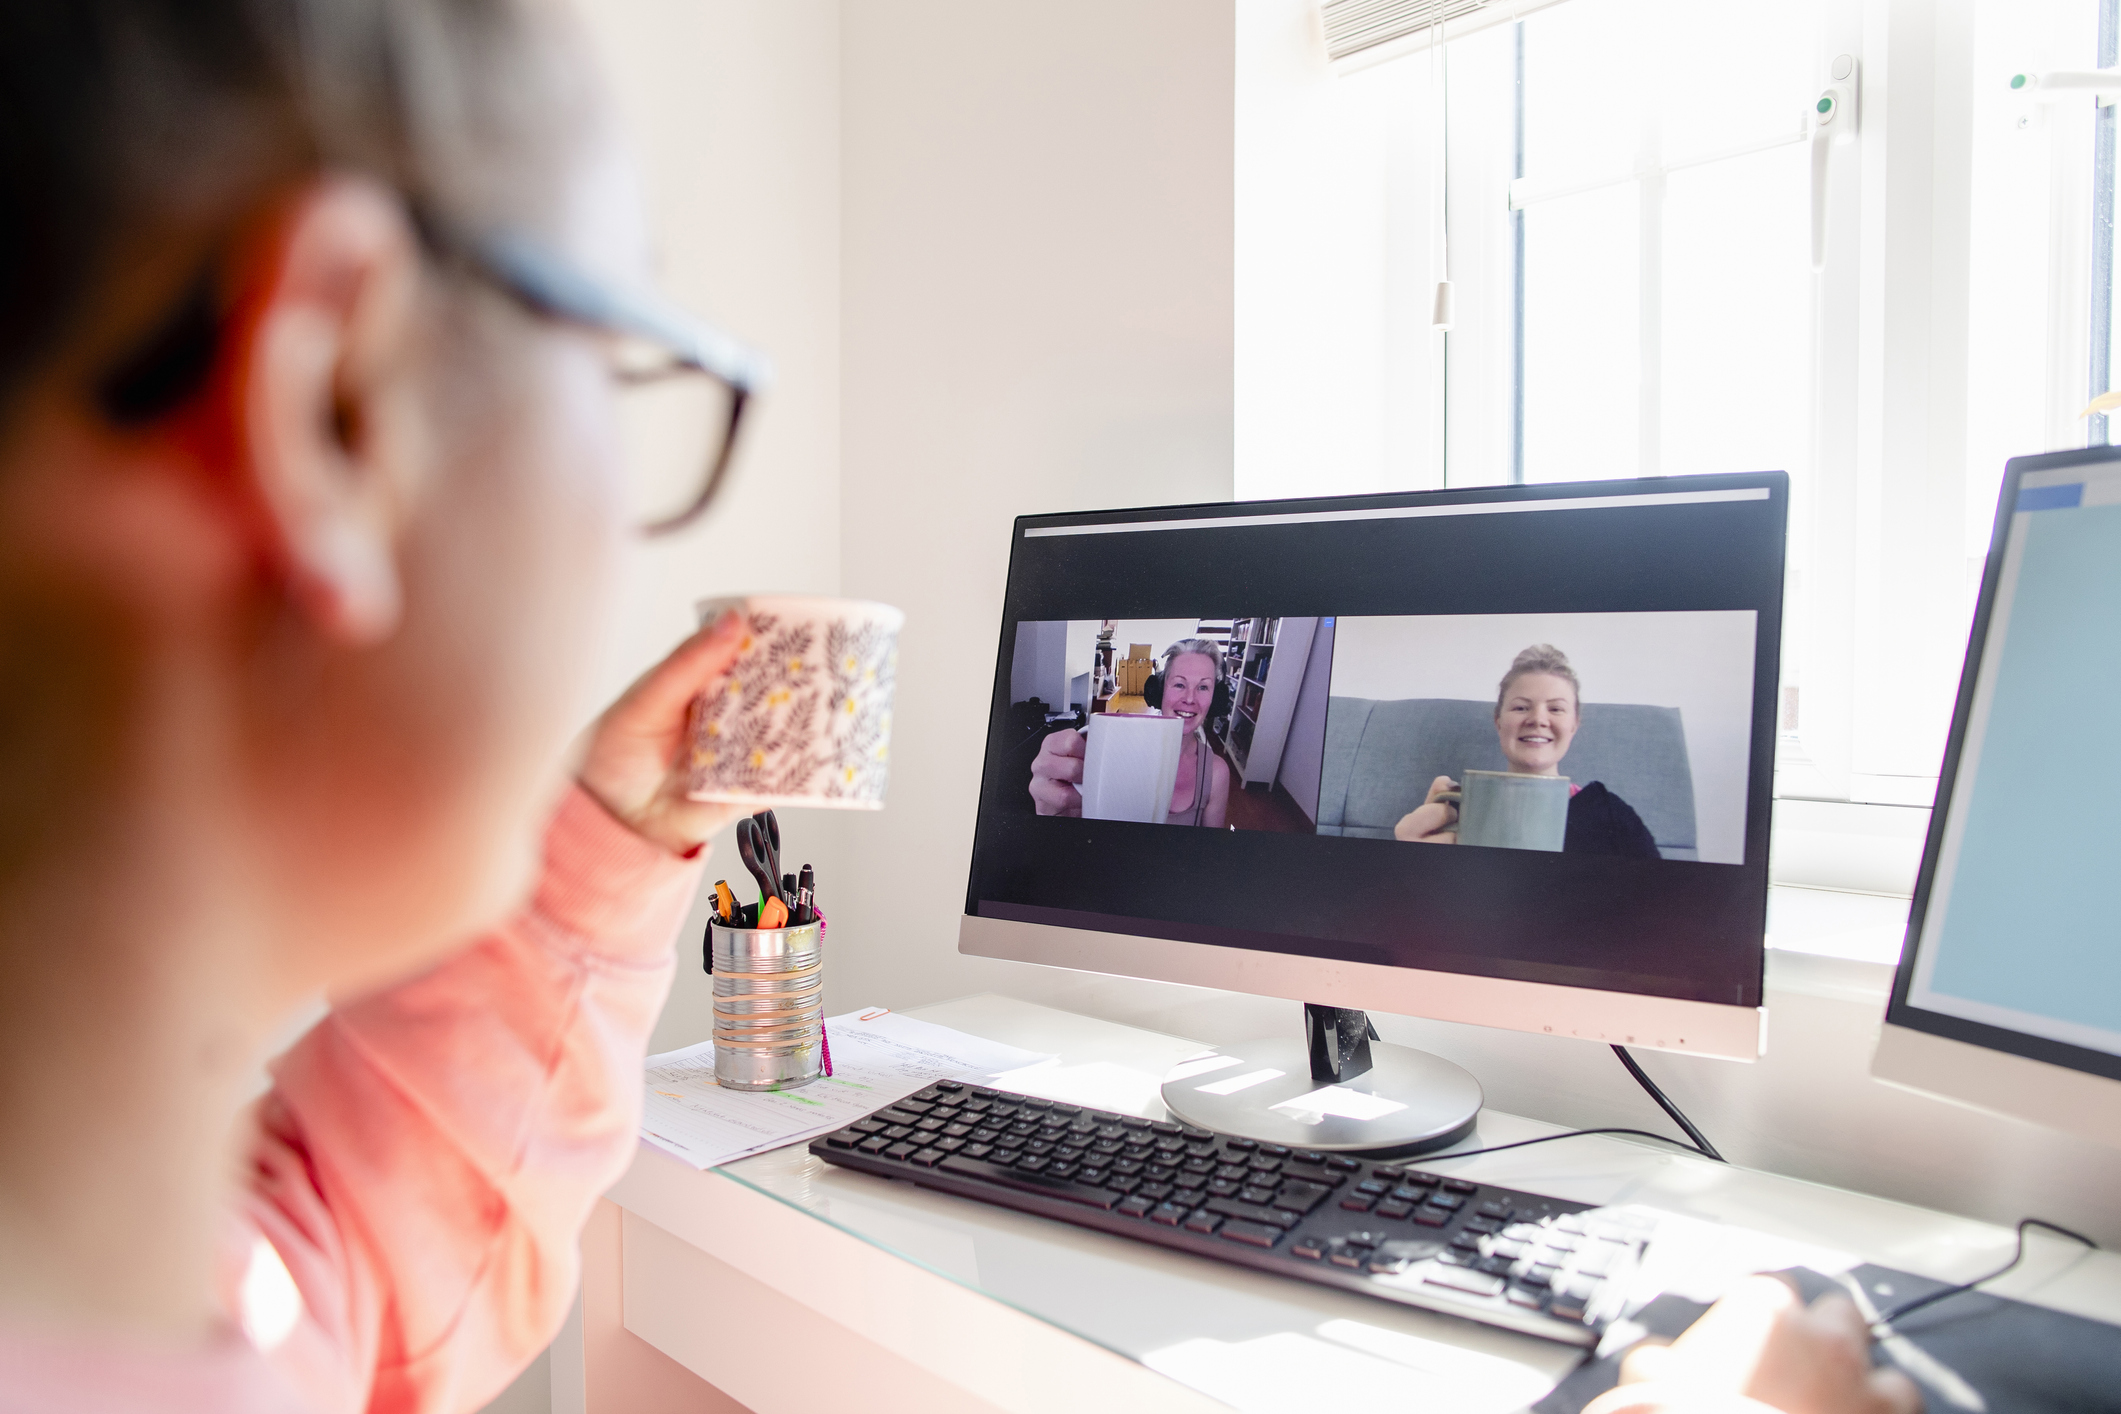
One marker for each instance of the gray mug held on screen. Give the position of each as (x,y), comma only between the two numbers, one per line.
(1503,810)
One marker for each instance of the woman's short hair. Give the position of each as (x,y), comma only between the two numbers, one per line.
(1208,649)
(1539,658)
(155,119)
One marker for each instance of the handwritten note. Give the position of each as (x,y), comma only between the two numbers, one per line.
(877,1057)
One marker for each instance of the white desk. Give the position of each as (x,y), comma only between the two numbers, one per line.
(792,1285)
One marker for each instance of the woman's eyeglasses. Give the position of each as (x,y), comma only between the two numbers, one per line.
(692,382)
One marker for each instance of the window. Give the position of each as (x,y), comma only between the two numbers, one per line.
(1623,194)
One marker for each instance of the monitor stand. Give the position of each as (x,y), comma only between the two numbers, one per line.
(1365,1098)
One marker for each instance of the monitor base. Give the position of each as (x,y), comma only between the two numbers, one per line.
(1435,1103)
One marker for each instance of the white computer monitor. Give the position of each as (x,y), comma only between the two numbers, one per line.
(2008,994)
(1327,661)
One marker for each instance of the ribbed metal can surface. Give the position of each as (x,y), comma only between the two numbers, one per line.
(769,1006)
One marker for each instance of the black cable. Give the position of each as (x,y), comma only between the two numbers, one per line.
(1701,1141)
(1883,1325)
(1565,1134)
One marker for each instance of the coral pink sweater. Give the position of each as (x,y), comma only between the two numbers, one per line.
(425,1162)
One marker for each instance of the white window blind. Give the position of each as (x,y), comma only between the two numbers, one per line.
(1364,32)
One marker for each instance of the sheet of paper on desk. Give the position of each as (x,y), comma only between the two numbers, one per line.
(876,1058)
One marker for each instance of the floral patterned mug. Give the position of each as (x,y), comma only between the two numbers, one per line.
(805,717)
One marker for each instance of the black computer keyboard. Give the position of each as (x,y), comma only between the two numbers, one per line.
(1385,1229)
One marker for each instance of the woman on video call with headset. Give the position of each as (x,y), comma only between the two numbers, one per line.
(310,527)
(1186,689)
(1538,708)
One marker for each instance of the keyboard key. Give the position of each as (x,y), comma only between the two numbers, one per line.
(1300,1194)
(1537,1277)
(900,1150)
(1279,1151)
(1224,1187)
(1160,1172)
(1466,1241)
(1244,1146)
(1483,1225)
(1529,1297)
(1357,1202)
(1497,1209)
(1465,1279)
(869,1126)
(1449,1202)
(1136,1206)
(1129,1166)
(1199,1165)
(1308,1156)
(1190,1181)
(1032,1163)
(1165,1126)
(1344,1164)
(1390,1173)
(1092,1173)
(1311,1249)
(1431,1217)
(1410,1193)
(1062,1170)
(898,1131)
(1374,1188)
(1134,1121)
(1252,1212)
(958,1131)
(978,1151)
(845,1139)
(1251,1234)
(1256,1194)
(1459,1185)
(1074,1192)
(1122,1184)
(1203,1221)
(1394,1208)
(949,1086)
(949,1146)
(1157,1190)
(1005,1155)
(928,1158)
(874,1144)
(1194,1131)
(1169,1214)
(1349,1257)
(930,1125)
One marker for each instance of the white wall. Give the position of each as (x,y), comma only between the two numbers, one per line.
(1699,662)
(1040,665)
(1303,755)
(1037,317)
(1338,384)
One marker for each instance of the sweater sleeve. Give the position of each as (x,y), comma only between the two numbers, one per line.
(428,1155)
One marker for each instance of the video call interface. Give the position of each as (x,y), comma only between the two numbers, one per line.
(1521,732)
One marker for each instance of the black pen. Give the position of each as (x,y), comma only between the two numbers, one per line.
(805,907)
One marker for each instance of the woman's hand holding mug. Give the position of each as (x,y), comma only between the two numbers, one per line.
(1435,820)
(1056,774)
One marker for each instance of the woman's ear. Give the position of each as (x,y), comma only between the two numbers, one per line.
(323,414)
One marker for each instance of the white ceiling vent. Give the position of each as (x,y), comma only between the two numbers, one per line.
(1360,33)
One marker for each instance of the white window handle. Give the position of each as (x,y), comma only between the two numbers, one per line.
(1833,121)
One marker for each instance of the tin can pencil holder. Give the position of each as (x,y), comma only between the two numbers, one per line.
(769,1005)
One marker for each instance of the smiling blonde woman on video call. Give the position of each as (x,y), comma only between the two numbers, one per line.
(310,530)
(1538,710)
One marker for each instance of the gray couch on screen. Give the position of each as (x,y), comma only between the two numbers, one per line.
(1381,756)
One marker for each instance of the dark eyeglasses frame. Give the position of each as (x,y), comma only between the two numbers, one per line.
(173,362)
(549,285)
